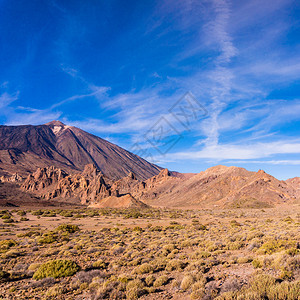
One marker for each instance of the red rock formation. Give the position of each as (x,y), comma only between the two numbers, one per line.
(15,178)
(51,183)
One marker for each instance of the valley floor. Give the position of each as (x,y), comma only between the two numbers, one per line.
(150,253)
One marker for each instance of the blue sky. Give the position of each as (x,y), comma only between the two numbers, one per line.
(186,84)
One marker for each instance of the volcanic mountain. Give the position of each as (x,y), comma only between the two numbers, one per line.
(25,148)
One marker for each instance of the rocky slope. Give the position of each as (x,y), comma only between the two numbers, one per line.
(294,183)
(220,186)
(25,148)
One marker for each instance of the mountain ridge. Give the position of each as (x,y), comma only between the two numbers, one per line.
(219,186)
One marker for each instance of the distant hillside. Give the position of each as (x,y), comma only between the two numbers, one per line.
(217,187)
(295,183)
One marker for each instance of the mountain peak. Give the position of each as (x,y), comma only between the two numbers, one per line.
(55,123)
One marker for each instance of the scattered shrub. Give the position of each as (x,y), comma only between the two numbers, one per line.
(175,264)
(150,280)
(135,289)
(55,291)
(187,282)
(143,269)
(256,263)
(6,244)
(56,269)
(99,264)
(68,228)
(21,213)
(161,280)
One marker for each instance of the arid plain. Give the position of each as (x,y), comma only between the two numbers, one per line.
(150,253)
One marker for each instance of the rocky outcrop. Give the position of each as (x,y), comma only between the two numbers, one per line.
(125,185)
(295,184)
(50,183)
(15,178)
(90,187)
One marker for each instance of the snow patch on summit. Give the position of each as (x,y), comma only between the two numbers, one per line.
(56,129)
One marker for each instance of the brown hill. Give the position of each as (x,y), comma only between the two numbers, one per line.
(25,148)
(218,186)
(125,201)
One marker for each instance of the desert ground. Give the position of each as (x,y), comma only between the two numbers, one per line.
(65,253)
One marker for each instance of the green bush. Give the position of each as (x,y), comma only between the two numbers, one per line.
(49,213)
(47,238)
(68,228)
(144,268)
(10,220)
(66,213)
(21,213)
(135,289)
(6,216)
(161,280)
(6,244)
(56,269)
(37,212)
(99,264)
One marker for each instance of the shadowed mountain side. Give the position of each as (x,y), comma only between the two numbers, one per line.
(12,196)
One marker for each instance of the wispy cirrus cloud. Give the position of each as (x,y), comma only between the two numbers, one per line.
(6,99)
(96,92)
(18,115)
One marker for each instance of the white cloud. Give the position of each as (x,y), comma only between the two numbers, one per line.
(267,162)
(247,151)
